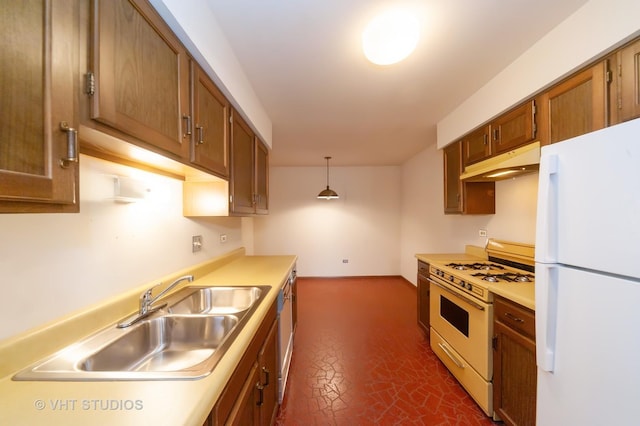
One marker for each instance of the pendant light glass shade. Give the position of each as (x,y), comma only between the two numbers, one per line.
(328,194)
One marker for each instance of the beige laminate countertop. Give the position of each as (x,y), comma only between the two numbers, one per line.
(521,293)
(176,402)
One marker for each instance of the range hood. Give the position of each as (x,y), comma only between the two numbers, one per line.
(514,163)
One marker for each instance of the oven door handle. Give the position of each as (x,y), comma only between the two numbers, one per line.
(466,299)
(455,360)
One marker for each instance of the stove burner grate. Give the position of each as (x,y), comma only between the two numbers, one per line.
(475,266)
(513,277)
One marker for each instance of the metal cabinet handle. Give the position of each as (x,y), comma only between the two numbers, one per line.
(513,317)
(72,145)
(265,370)
(187,118)
(261,392)
(200,130)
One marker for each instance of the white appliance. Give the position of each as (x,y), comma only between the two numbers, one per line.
(461,312)
(285,332)
(588,280)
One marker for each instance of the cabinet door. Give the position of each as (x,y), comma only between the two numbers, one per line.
(513,129)
(210,147)
(467,197)
(268,364)
(246,410)
(576,106)
(514,377)
(262,177)
(39,49)
(476,146)
(629,82)
(242,166)
(452,184)
(141,75)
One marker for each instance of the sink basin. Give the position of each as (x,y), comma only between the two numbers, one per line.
(166,343)
(217,300)
(184,340)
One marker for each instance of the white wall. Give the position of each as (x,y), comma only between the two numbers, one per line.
(362,226)
(426,229)
(54,264)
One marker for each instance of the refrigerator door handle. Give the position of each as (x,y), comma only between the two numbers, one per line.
(547,214)
(546,294)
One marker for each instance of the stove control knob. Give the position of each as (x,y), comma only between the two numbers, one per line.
(462,284)
(469,287)
(451,278)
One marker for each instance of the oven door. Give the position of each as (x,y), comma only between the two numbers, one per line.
(465,323)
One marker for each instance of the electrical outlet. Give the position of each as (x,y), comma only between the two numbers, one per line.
(196,243)
(482,233)
(345,260)
(223,238)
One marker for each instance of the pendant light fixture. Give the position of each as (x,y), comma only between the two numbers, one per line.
(328,194)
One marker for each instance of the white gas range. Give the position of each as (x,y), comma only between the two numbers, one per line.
(461,311)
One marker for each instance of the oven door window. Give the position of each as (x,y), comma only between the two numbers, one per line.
(455,315)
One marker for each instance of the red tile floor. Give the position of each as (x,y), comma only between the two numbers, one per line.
(360,359)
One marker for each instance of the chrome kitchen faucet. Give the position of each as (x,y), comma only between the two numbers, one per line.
(146,301)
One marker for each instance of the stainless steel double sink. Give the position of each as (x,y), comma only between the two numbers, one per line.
(184,340)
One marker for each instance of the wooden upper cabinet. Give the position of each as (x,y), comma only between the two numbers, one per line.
(39,49)
(141,75)
(452,184)
(513,129)
(476,146)
(464,197)
(249,183)
(576,106)
(628,82)
(210,146)
(242,163)
(262,177)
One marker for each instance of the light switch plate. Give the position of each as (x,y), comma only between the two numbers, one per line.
(196,243)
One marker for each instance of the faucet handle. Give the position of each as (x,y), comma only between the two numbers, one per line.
(146,299)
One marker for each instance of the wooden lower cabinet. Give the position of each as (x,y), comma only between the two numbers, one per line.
(251,394)
(514,363)
(423,296)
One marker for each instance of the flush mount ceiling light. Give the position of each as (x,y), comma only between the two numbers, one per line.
(328,194)
(390,37)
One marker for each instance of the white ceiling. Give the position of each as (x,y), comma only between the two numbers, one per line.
(304,61)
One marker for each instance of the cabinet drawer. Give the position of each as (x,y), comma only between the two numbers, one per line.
(515,316)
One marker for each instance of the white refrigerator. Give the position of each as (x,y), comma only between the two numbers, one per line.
(587,289)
